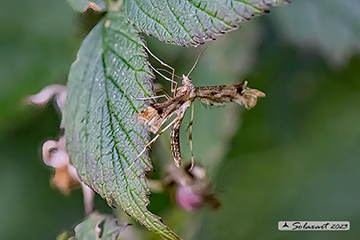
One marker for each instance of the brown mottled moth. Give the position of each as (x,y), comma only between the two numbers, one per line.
(157,114)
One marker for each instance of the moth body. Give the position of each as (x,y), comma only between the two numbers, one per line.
(157,114)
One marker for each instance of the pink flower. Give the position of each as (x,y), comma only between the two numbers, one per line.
(44,96)
(59,91)
(65,178)
(193,189)
(54,152)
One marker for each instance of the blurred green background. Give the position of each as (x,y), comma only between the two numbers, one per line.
(295,156)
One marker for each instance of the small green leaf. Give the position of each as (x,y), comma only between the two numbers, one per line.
(83,5)
(192,22)
(99,226)
(102,132)
(63,236)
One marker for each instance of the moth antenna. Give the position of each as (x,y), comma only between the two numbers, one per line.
(197,59)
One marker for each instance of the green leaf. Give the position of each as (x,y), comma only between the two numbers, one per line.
(103,135)
(330,27)
(192,22)
(98,226)
(63,236)
(83,5)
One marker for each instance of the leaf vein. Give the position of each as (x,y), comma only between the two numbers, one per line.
(177,19)
(209,13)
(152,18)
(101,141)
(123,93)
(129,139)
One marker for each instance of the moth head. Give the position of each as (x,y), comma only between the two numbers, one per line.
(186,80)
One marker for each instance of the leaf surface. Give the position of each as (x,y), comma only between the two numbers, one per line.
(103,135)
(192,22)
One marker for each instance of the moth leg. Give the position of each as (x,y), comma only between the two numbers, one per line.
(166,95)
(173,89)
(150,98)
(162,69)
(190,138)
(153,140)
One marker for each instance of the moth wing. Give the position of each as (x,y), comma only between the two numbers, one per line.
(150,117)
(249,97)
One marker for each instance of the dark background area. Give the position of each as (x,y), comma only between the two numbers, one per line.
(295,156)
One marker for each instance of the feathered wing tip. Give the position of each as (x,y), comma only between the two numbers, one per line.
(249,96)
